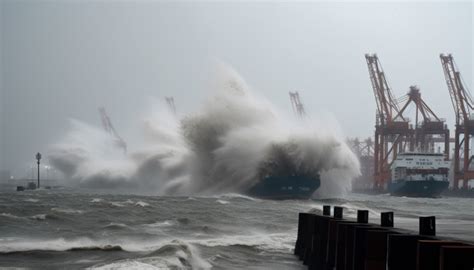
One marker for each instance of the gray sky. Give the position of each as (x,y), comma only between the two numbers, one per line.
(63,59)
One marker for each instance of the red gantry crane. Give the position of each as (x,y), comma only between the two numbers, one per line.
(392,130)
(463,107)
(364,150)
(109,128)
(430,130)
(296,104)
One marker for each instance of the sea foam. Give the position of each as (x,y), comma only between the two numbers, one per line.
(219,148)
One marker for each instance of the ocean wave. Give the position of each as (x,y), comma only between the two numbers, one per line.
(117,204)
(59,244)
(116,226)
(183,220)
(352,209)
(236,196)
(222,202)
(97,248)
(262,241)
(125,265)
(31,200)
(160,224)
(67,211)
(175,254)
(225,146)
(8,215)
(39,217)
(142,204)
(73,249)
(97,200)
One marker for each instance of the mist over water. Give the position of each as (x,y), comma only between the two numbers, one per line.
(220,148)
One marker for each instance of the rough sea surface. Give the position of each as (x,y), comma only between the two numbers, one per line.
(71,229)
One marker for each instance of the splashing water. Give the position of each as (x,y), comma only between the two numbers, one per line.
(218,149)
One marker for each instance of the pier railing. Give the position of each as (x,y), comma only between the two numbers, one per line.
(332,242)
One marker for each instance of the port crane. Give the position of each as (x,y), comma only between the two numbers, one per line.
(430,130)
(296,104)
(109,128)
(463,108)
(361,148)
(392,130)
(364,150)
(171,104)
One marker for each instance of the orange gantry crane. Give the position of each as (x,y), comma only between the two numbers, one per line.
(392,130)
(430,130)
(296,104)
(463,106)
(109,128)
(364,150)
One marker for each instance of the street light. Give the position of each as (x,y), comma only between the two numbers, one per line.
(38,158)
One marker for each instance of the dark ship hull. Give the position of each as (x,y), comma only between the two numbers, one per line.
(422,188)
(285,187)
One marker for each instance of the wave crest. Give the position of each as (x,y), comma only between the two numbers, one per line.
(223,147)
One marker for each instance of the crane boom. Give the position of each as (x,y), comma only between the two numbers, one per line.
(463,107)
(171,104)
(109,128)
(296,104)
(460,98)
(387,107)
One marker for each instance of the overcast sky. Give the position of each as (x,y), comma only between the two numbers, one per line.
(63,59)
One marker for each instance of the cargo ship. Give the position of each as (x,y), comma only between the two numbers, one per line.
(285,187)
(282,177)
(416,174)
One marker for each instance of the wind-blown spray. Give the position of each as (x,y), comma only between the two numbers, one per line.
(218,149)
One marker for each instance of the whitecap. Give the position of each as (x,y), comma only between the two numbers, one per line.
(96,200)
(116,225)
(59,244)
(67,210)
(39,217)
(172,255)
(142,204)
(117,204)
(274,241)
(8,215)
(31,200)
(159,224)
(222,202)
(125,264)
(237,196)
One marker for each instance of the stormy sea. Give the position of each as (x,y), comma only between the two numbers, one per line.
(72,229)
(172,198)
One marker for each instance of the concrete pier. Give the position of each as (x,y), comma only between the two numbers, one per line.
(332,242)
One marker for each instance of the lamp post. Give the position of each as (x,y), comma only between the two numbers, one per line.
(38,158)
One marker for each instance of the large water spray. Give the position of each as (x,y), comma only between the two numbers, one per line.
(223,147)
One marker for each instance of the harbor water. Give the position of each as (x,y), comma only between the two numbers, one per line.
(71,229)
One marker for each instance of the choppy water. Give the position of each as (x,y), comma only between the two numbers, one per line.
(76,229)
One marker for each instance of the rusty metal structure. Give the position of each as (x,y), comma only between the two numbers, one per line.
(364,150)
(392,130)
(429,128)
(110,129)
(464,129)
(296,104)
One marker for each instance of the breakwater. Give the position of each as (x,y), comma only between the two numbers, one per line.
(326,241)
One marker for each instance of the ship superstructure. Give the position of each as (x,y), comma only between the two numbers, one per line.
(417,174)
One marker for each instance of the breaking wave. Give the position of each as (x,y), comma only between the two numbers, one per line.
(222,148)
